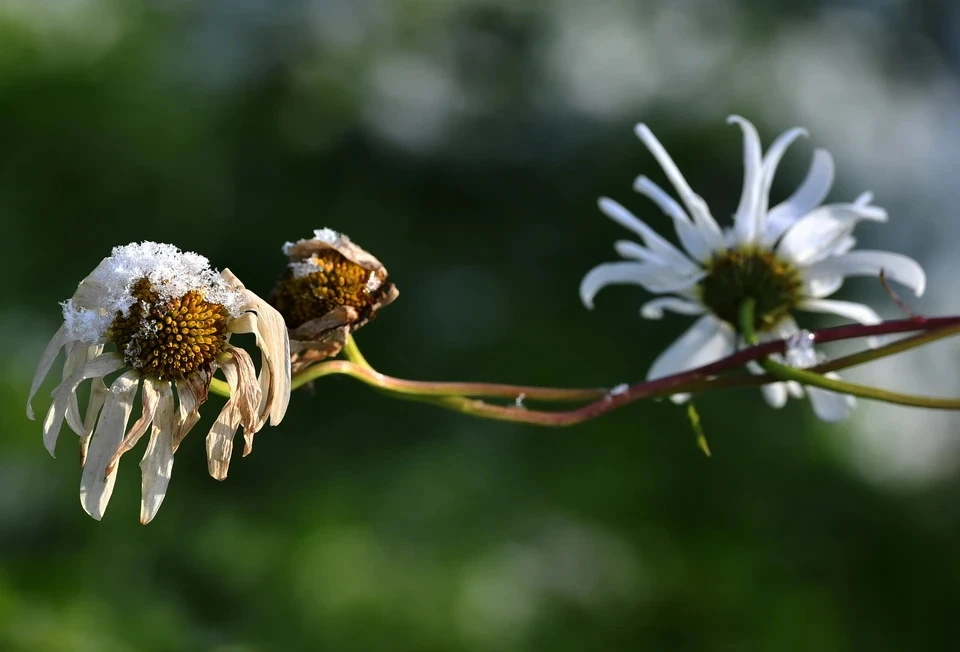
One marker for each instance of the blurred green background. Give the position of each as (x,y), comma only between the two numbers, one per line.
(464,143)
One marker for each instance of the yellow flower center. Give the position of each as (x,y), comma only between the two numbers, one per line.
(325,281)
(750,273)
(170,338)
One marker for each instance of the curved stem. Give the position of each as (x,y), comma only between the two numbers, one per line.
(432,389)
(352,352)
(785,372)
(453,396)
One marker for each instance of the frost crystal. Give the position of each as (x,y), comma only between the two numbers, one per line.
(618,390)
(800,352)
(171,273)
(328,236)
(373,282)
(303,268)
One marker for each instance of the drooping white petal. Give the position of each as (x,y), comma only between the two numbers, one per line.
(192,393)
(657,279)
(896,267)
(98,396)
(105,364)
(747,222)
(858,312)
(653,240)
(819,232)
(156,466)
(654,309)
(811,193)
(248,390)
(152,393)
(76,357)
(702,219)
(830,406)
(50,353)
(706,341)
(270,331)
(219,442)
(96,485)
(693,240)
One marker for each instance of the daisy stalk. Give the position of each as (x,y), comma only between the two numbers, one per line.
(462,397)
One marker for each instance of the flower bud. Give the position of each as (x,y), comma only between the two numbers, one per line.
(331,287)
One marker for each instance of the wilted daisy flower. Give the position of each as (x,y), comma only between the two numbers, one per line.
(331,287)
(786,258)
(170,318)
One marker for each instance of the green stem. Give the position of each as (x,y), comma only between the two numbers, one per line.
(219,387)
(814,379)
(401,386)
(454,396)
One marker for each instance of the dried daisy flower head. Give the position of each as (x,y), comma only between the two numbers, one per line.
(170,318)
(331,287)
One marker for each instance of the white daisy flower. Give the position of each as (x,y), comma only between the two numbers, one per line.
(170,318)
(789,257)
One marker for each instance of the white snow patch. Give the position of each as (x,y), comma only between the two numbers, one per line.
(172,273)
(326,235)
(301,268)
(373,282)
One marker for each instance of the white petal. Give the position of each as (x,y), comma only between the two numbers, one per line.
(775,394)
(706,341)
(818,233)
(248,394)
(654,309)
(270,330)
(219,442)
(151,394)
(747,221)
(702,219)
(771,161)
(96,485)
(810,194)
(657,279)
(819,283)
(156,466)
(633,251)
(105,364)
(50,353)
(191,395)
(98,396)
(692,239)
(858,312)
(659,196)
(653,240)
(830,406)
(76,358)
(896,267)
